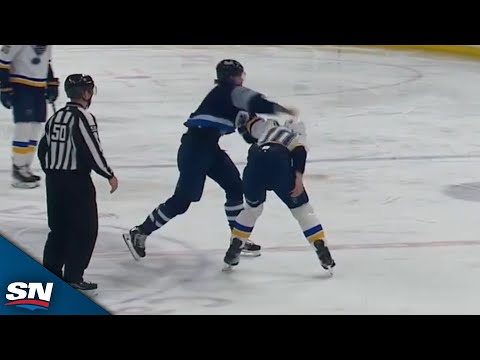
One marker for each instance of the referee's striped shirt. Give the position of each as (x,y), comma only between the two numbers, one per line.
(71,143)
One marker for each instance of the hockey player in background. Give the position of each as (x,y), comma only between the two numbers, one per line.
(26,83)
(200,155)
(276,162)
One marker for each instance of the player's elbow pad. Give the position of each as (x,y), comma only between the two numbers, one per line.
(299,159)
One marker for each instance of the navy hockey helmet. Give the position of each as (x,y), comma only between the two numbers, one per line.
(228,68)
(76,84)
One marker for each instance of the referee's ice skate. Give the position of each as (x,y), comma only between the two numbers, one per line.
(86,288)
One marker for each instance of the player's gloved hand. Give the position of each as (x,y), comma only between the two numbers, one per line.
(242,119)
(6,96)
(52,90)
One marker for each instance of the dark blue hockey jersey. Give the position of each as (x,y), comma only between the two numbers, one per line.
(222,105)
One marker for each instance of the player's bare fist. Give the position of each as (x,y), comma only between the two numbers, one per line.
(113,184)
(298,188)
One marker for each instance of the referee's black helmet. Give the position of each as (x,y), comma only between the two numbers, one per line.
(77,84)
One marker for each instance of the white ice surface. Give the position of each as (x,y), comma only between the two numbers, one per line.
(389,133)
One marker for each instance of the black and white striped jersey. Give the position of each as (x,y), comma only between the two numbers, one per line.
(71,143)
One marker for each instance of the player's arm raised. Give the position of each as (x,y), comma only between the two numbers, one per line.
(254,102)
(7,55)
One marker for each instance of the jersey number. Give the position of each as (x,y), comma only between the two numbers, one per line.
(59,132)
(283,136)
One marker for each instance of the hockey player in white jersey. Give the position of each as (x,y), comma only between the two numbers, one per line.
(27,82)
(276,162)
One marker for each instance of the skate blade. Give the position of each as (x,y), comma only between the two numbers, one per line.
(227,268)
(22,185)
(128,241)
(89,293)
(329,269)
(247,253)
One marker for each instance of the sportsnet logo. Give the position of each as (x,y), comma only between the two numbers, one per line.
(37,297)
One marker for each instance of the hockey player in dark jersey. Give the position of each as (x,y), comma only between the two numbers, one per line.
(200,155)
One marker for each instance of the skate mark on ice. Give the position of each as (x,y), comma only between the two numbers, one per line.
(132,77)
(169,305)
(37,213)
(147,291)
(149,299)
(467,191)
(313,161)
(325,160)
(203,253)
(334,247)
(415,75)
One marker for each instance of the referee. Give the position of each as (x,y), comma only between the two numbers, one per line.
(68,152)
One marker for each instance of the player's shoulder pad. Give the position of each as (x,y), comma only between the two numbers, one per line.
(6,49)
(299,128)
(296,126)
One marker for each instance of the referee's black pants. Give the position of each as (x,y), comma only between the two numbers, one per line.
(73,221)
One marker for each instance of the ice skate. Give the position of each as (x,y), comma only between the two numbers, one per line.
(86,288)
(251,249)
(324,256)
(232,257)
(135,241)
(36,177)
(22,178)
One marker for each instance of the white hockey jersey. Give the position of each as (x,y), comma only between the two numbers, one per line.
(291,135)
(27,64)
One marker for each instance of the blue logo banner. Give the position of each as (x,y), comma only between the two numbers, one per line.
(27,288)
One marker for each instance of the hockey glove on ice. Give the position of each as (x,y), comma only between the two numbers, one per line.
(52,90)
(6,96)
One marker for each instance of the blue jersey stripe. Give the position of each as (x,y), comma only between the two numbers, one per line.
(202,123)
(313,230)
(21,144)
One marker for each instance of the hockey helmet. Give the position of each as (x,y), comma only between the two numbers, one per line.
(76,84)
(228,68)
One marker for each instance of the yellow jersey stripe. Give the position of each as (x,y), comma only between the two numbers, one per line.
(23,151)
(32,83)
(317,236)
(240,234)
